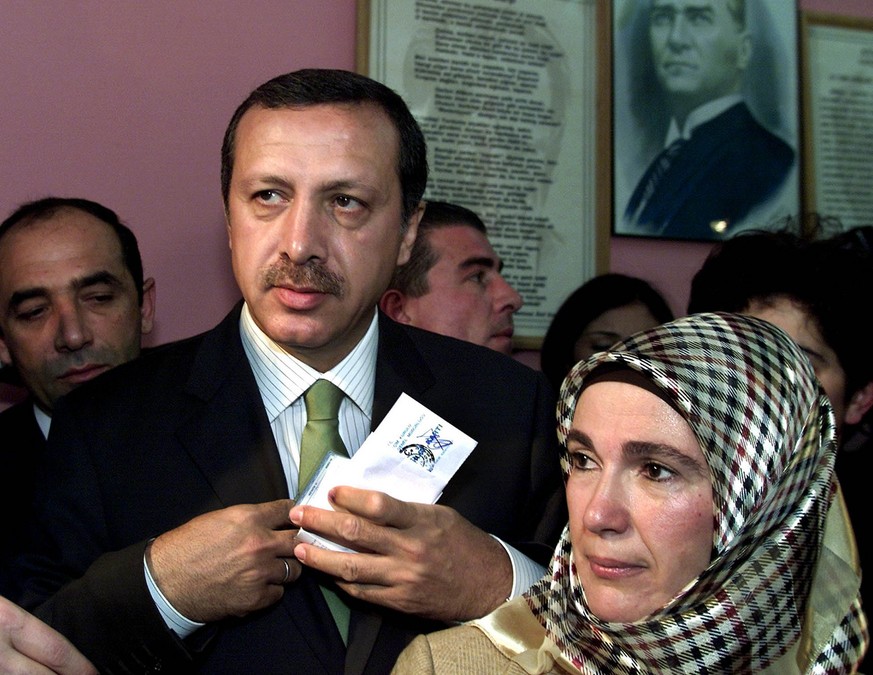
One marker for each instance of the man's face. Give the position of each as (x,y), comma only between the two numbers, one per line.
(699,50)
(802,328)
(468,298)
(315,224)
(68,305)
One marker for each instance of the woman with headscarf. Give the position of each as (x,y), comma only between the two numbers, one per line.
(703,537)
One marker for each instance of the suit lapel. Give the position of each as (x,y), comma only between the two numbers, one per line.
(227,434)
(399,368)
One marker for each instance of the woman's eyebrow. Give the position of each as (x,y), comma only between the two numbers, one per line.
(649,450)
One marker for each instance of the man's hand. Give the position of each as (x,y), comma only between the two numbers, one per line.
(419,559)
(228,562)
(27,645)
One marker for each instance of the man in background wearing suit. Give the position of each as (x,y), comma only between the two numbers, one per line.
(718,161)
(166,538)
(452,284)
(73,304)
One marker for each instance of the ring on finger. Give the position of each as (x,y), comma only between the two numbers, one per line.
(287,571)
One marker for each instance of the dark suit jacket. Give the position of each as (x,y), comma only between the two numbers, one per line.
(183,431)
(22,447)
(730,165)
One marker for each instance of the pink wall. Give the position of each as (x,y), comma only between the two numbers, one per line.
(126,103)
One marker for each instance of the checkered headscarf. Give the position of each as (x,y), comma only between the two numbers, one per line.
(775,581)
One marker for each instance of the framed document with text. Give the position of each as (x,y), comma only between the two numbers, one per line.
(838,112)
(507,96)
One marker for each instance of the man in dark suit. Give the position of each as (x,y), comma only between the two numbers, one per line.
(718,161)
(74,304)
(167,541)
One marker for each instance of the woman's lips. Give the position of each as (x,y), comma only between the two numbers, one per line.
(609,568)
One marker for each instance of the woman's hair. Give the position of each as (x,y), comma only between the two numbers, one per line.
(596,296)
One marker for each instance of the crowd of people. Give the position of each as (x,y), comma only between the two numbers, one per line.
(662,495)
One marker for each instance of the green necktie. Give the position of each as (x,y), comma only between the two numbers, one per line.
(321,433)
(320,436)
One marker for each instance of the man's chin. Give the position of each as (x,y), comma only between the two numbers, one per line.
(501,343)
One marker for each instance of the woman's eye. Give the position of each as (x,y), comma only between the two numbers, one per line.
(658,471)
(580,461)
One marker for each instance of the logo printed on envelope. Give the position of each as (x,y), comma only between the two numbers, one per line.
(410,456)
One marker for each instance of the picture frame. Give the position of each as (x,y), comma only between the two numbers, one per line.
(838,113)
(507,95)
(734,116)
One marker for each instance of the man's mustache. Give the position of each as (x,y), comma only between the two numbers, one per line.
(312,276)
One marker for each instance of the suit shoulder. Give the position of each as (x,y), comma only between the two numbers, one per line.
(454,354)
(154,369)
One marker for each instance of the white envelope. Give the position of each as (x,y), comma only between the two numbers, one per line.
(411,456)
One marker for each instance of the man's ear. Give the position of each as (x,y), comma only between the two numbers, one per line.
(393,304)
(147,310)
(5,356)
(409,235)
(859,404)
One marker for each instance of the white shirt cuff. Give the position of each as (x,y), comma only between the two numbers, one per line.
(525,572)
(177,623)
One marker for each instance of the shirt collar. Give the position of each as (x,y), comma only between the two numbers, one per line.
(282,379)
(43,419)
(708,111)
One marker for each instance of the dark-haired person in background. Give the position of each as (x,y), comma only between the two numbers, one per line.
(605,309)
(452,283)
(817,291)
(73,304)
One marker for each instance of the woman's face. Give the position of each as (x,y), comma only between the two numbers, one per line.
(640,500)
(610,327)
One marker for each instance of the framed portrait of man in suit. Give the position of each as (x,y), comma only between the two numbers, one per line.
(705,116)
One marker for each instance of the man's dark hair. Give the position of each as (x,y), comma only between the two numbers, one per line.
(46,208)
(411,277)
(824,277)
(310,87)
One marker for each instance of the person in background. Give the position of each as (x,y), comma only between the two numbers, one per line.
(605,309)
(698,465)
(816,290)
(166,533)
(856,456)
(73,304)
(452,283)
